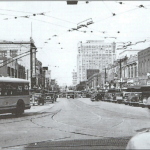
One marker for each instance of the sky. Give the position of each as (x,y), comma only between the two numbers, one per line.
(57,47)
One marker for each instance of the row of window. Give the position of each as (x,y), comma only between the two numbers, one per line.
(144,67)
(13,89)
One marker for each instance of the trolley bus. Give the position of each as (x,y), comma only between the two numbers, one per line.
(14,95)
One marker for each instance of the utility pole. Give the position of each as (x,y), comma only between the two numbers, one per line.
(105,76)
(31,66)
(120,74)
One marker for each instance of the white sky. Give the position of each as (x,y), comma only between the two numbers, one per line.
(133,26)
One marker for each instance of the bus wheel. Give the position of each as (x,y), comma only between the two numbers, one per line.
(20,108)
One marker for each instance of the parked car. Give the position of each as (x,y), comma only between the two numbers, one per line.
(93,97)
(143,102)
(128,100)
(88,95)
(125,97)
(148,103)
(49,97)
(135,98)
(41,99)
(97,96)
(114,100)
(139,141)
(35,98)
(119,97)
(108,97)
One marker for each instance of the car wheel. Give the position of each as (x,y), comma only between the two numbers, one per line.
(19,109)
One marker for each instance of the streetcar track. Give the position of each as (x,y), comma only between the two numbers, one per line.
(62,130)
(99,117)
(54,128)
(70,124)
(27,118)
(72,132)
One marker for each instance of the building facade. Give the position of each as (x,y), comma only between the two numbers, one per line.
(128,53)
(74,78)
(17,59)
(94,54)
(95,81)
(47,79)
(123,72)
(144,66)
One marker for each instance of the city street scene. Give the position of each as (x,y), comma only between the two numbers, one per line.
(74,75)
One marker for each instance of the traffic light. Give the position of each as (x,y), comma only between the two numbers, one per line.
(72,2)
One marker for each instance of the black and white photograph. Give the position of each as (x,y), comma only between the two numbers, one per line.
(74,75)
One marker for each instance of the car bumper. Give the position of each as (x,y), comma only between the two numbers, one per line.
(135,103)
(142,105)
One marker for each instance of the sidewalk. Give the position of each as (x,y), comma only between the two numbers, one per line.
(39,108)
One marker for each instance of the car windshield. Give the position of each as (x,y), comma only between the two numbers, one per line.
(74,74)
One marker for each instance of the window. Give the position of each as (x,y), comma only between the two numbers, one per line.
(11,89)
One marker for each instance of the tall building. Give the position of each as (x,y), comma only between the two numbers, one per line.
(94,54)
(74,78)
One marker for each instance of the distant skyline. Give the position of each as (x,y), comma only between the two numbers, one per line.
(52,20)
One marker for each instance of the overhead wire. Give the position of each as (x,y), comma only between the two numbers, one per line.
(59,18)
(16,59)
(116,15)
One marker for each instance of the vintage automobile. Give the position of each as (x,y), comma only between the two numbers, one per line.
(125,97)
(108,97)
(70,94)
(145,99)
(98,96)
(119,98)
(41,99)
(35,98)
(143,102)
(148,103)
(139,141)
(49,97)
(135,98)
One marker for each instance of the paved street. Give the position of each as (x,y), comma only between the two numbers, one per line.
(72,119)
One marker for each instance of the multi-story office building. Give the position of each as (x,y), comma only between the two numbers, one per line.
(74,78)
(94,54)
